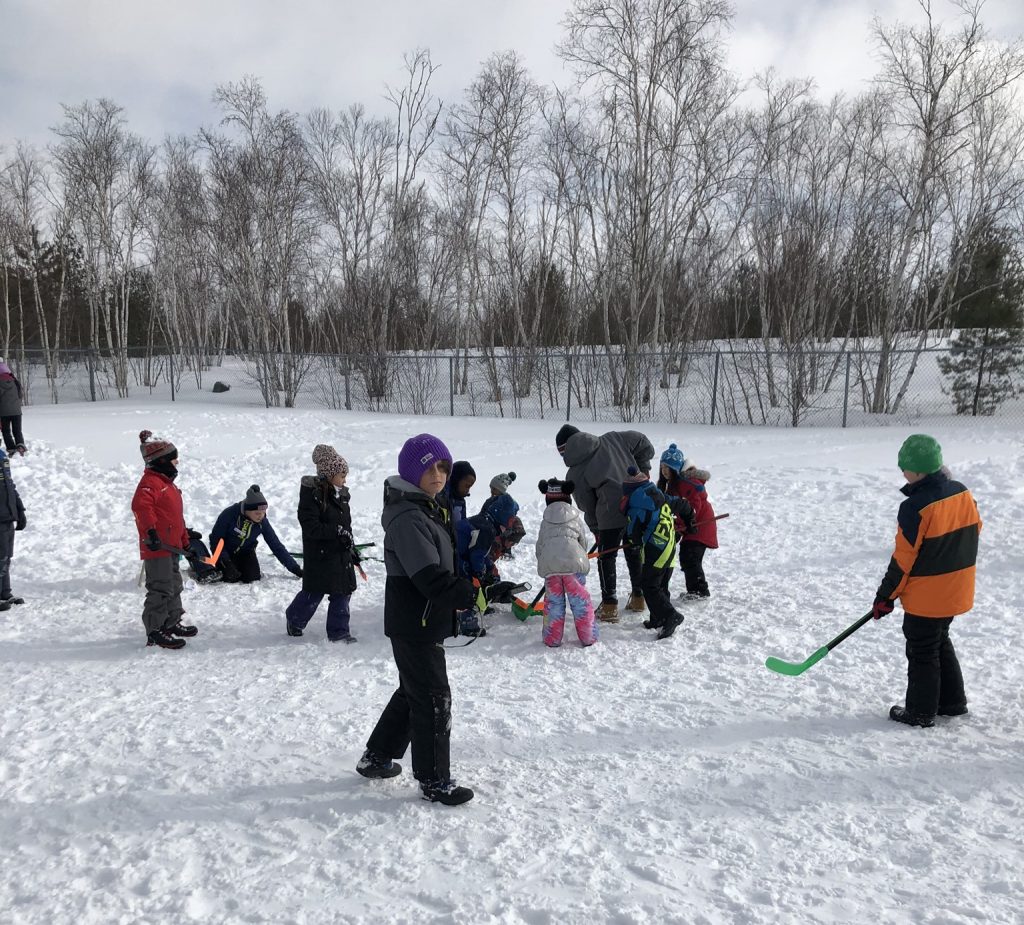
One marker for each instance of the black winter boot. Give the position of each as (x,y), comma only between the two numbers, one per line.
(182,629)
(958,710)
(165,641)
(902,715)
(293,630)
(446,792)
(374,766)
(12,600)
(670,625)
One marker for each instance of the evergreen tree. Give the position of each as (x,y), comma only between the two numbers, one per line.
(986,358)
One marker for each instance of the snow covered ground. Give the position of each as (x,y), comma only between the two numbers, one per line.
(631,782)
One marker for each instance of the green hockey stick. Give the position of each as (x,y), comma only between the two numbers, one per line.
(794,668)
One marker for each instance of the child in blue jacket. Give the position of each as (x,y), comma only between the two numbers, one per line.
(241,526)
(650,525)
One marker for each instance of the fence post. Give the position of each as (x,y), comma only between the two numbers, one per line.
(348,385)
(89,359)
(171,357)
(451,385)
(568,392)
(714,387)
(846,388)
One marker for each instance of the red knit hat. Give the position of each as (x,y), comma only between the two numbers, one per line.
(153,448)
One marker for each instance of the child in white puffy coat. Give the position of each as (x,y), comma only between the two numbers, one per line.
(563,564)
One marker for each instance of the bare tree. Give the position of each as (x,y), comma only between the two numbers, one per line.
(107,174)
(654,64)
(260,225)
(937,80)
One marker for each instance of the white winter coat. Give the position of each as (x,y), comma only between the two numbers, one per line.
(562,542)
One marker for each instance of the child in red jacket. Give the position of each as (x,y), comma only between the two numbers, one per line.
(161,524)
(680,477)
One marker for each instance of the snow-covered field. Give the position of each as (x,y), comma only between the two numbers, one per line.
(631,782)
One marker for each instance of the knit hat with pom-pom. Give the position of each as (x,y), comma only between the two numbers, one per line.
(154,448)
(557,490)
(673,458)
(500,483)
(254,499)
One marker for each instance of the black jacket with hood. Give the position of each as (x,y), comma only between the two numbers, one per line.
(422,591)
(327,563)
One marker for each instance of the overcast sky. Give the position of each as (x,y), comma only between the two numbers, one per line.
(161,61)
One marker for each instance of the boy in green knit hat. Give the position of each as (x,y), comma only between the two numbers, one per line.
(932,574)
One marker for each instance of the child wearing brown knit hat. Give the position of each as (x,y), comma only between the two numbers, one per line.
(329,556)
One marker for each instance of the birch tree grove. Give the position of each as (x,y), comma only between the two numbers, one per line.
(601,235)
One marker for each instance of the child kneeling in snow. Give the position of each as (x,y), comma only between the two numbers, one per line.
(502,509)
(563,564)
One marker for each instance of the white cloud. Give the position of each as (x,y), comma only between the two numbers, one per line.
(161,62)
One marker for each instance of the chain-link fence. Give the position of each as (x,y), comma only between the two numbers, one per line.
(711,386)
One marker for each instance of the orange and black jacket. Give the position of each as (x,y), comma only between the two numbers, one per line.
(932,569)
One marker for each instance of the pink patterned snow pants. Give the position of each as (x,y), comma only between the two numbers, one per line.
(557,589)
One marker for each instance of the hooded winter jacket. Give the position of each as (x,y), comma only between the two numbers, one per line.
(422,591)
(932,568)
(690,486)
(157,506)
(597,466)
(326,557)
(562,542)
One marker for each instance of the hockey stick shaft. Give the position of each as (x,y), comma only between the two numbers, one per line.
(795,668)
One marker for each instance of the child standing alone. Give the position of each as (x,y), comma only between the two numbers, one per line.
(563,564)
(158,514)
(681,478)
(931,573)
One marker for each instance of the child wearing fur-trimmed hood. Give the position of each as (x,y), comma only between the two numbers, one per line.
(680,476)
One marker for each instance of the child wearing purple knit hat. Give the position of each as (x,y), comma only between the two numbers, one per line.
(421,596)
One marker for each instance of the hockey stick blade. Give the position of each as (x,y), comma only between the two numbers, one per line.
(792,669)
(212,560)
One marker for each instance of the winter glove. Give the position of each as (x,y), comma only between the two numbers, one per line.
(21,522)
(882,607)
(297,571)
(344,537)
(152,539)
(499,592)
(194,534)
